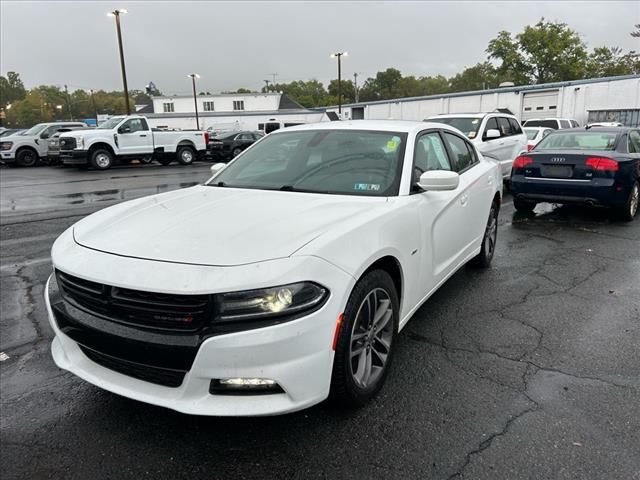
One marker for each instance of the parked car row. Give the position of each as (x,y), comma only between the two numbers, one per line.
(229,145)
(118,140)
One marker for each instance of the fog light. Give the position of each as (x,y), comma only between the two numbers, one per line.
(244,386)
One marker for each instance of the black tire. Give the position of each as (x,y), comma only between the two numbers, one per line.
(186,155)
(523,205)
(345,389)
(164,160)
(146,160)
(489,240)
(101,159)
(628,211)
(26,157)
(236,151)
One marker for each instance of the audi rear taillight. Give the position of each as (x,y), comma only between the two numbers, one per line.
(522,161)
(529,147)
(602,164)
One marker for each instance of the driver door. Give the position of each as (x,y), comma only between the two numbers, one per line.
(135,138)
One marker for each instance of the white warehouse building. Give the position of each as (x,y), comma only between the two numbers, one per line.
(603,99)
(224,112)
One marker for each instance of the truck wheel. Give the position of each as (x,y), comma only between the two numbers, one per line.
(101,159)
(185,155)
(164,160)
(147,159)
(27,157)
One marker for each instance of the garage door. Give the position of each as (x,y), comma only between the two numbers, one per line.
(540,105)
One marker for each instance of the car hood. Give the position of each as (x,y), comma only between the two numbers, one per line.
(86,133)
(218,226)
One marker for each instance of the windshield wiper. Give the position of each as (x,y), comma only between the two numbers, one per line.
(291,188)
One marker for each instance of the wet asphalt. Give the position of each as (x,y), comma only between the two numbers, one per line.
(528,370)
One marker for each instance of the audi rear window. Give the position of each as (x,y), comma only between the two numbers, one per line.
(542,123)
(578,141)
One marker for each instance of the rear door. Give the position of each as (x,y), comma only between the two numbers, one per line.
(135,137)
(493,146)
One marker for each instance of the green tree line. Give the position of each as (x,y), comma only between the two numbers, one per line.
(541,53)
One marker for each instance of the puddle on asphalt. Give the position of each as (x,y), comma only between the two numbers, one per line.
(576,215)
(88,198)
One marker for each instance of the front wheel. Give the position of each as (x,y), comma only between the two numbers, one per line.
(101,159)
(236,151)
(364,347)
(483,259)
(628,211)
(26,157)
(185,155)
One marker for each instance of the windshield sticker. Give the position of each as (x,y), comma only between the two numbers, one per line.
(367,187)
(392,145)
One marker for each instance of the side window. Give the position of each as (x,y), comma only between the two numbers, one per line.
(565,124)
(574,123)
(246,136)
(492,124)
(505,126)
(430,154)
(462,153)
(634,141)
(135,124)
(515,127)
(144,124)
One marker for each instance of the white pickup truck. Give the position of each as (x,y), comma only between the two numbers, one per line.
(122,139)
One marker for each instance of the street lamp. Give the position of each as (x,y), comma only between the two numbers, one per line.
(339,56)
(117,13)
(93,103)
(193,77)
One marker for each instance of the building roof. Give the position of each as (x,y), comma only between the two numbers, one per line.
(515,89)
(218,95)
(287,103)
(237,113)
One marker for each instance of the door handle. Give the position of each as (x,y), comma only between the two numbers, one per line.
(464,199)
(490,180)
(143,135)
(501,143)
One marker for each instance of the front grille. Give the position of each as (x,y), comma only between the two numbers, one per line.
(159,376)
(149,310)
(67,143)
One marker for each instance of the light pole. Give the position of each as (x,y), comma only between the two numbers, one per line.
(117,13)
(93,103)
(193,77)
(339,56)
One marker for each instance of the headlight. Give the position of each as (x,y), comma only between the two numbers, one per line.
(6,145)
(53,143)
(294,298)
(79,142)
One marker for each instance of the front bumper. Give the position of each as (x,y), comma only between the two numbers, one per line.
(297,354)
(74,157)
(600,191)
(8,157)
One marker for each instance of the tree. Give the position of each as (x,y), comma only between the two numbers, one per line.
(434,85)
(308,94)
(546,52)
(636,32)
(611,61)
(11,89)
(478,77)
(346,89)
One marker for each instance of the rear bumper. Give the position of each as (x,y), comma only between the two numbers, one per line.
(601,191)
(74,157)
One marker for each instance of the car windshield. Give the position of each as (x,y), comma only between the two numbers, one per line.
(349,162)
(111,123)
(542,123)
(467,125)
(36,129)
(580,140)
(531,133)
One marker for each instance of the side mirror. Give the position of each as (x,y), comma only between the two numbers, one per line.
(491,133)
(217,167)
(44,135)
(439,180)
(124,130)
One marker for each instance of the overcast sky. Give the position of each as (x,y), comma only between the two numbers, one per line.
(238,44)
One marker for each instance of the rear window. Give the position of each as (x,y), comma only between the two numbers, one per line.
(467,125)
(578,141)
(542,123)
(531,133)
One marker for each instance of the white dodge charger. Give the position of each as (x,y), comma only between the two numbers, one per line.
(282,280)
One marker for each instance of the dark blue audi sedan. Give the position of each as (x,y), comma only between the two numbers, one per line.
(592,166)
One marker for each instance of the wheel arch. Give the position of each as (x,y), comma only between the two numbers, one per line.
(93,147)
(27,147)
(391,265)
(186,143)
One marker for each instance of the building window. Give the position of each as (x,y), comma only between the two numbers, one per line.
(167,107)
(552,107)
(238,104)
(208,106)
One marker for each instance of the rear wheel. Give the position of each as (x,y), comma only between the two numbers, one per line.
(236,151)
(628,211)
(101,159)
(483,259)
(364,347)
(164,160)
(26,157)
(186,155)
(523,205)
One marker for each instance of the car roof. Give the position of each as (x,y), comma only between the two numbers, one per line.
(471,115)
(548,118)
(400,126)
(598,129)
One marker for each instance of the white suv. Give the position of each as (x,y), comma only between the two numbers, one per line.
(497,135)
(555,123)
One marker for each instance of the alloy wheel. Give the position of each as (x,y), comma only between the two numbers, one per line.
(491,233)
(103,160)
(371,337)
(635,198)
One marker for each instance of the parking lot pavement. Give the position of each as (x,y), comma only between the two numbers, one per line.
(529,370)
